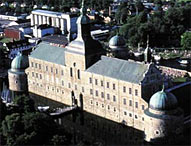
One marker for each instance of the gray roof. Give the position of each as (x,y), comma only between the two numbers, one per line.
(124,70)
(45,51)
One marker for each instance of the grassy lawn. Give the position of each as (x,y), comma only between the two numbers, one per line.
(180,79)
(5,40)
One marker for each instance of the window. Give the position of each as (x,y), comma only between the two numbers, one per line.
(130,92)
(97,103)
(113,86)
(114,109)
(91,91)
(62,83)
(36,65)
(78,74)
(136,117)
(102,94)
(76,87)
(39,66)
(142,118)
(46,68)
(136,104)
(62,92)
(124,101)
(130,103)
(124,89)
(51,69)
(36,75)
(91,102)
(108,97)
(125,113)
(82,89)
(101,83)
(62,72)
(107,84)
(114,98)
(33,74)
(56,71)
(130,115)
(96,93)
(40,76)
(143,107)
(57,90)
(136,92)
(71,73)
(32,64)
(95,81)
(90,80)
(108,107)
(69,85)
(102,105)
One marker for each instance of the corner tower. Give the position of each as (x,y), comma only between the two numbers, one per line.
(84,50)
(17,76)
(163,119)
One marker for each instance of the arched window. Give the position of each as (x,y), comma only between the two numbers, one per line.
(71,73)
(78,74)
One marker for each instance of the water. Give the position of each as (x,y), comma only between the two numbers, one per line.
(175,64)
(87,127)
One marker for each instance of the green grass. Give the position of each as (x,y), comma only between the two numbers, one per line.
(6,40)
(180,79)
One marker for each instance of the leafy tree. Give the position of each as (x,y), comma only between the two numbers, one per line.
(186,41)
(25,103)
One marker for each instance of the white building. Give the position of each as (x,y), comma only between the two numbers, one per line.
(65,22)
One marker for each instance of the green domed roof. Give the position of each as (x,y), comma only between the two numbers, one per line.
(116,41)
(163,101)
(20,62)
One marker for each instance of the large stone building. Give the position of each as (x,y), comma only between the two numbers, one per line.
(115,89)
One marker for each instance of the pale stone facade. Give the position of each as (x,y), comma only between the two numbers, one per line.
(104,96)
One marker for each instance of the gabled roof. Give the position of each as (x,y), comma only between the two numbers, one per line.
(45,51)
(119,69)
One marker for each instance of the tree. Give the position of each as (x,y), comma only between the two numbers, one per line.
(25,103)
(186,41)
(28,129)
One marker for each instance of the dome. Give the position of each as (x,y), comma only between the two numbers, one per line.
(116,42)
(20,62)
(163,101)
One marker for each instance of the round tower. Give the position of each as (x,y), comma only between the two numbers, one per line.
(17,76)
(163,118)
(117,46)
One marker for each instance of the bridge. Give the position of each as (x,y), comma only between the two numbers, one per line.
(187,121)
(178,86)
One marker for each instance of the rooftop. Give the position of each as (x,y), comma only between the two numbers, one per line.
(56,39)
(45,51)
(119,69)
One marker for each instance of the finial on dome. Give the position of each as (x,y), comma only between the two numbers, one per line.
(163,87)
(83,9)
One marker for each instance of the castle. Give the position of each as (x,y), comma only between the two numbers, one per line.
(112,88)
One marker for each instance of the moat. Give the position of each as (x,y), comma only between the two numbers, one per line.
(87,128)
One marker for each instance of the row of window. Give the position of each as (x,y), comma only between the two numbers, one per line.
(130,103)
(113,86)
(36,65)
(130,115)
(37,75)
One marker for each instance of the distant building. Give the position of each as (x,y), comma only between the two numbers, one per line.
(65,22)
(17,46)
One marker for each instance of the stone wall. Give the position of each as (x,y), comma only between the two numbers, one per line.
(172,72)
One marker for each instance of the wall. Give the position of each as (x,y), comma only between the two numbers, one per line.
(172,72)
